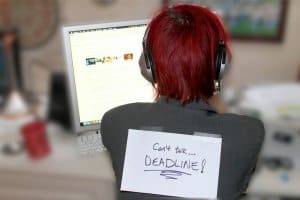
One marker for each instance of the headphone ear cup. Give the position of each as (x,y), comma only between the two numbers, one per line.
(149,72)
(220,61)
(145,71)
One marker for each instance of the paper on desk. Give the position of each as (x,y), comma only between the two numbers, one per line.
(172,164)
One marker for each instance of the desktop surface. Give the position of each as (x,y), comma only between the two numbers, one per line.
(63,174)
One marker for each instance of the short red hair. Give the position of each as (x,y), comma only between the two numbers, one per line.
(183,40)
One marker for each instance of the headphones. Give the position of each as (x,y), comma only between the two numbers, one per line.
(150,69)
(220,63)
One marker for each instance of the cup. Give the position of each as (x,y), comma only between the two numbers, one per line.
(35,139)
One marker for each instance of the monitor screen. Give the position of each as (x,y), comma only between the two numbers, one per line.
(103,69)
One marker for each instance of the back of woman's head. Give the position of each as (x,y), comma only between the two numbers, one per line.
(183,41)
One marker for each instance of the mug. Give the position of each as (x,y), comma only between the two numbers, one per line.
(35,139)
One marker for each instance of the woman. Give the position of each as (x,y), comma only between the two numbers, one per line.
(185,51)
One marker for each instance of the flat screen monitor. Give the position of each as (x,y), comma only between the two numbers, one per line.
(103,70)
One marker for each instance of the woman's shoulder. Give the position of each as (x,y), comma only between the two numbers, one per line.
(241,118)
(245,123)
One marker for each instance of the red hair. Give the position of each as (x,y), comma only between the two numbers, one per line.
(183,41)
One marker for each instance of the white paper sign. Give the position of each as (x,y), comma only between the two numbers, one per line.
(172,164)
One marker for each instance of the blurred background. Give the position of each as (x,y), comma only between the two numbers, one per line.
(263,82)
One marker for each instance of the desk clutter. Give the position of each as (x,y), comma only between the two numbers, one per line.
(61,174)
(277,105)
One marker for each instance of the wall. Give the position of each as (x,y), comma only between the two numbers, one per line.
(73,12)
(265,62)
(253,61)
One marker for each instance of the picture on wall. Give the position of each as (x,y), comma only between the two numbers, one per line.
(248,19)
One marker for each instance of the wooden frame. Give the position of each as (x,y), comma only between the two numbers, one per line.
(255,28)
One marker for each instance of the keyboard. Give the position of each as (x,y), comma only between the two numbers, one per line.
(90,143)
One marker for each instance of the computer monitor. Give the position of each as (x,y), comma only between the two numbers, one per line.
(103,69)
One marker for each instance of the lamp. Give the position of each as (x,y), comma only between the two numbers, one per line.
(15,105)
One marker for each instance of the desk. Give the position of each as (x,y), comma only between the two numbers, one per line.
(63,175)
(278,107)
(279,183)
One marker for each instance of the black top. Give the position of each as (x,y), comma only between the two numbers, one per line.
(242,139)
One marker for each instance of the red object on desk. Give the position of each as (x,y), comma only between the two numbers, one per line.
(298,75)
(35,139)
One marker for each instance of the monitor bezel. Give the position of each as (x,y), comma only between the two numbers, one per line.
(70,70)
